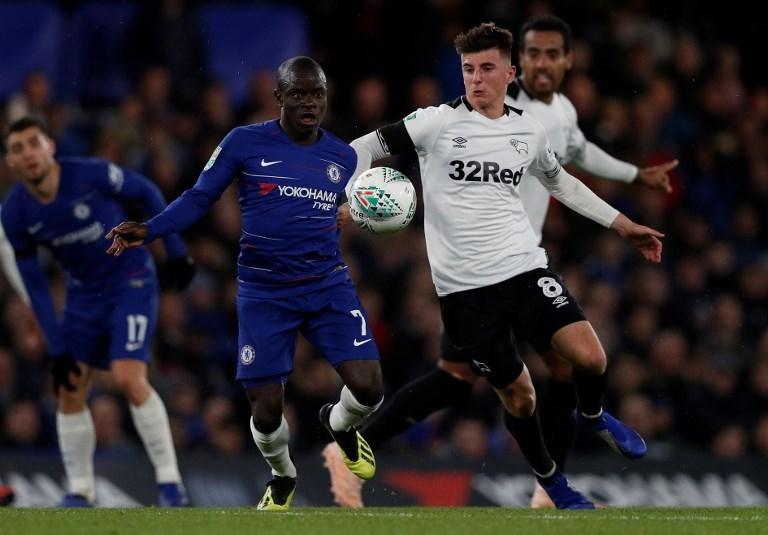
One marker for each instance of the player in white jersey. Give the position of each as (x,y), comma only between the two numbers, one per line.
(545,57)
(490,274)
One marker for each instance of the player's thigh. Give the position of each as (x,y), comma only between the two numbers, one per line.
(478,325)
(339,327)
(267,330)
(578,344)
(546,306)
(133,320)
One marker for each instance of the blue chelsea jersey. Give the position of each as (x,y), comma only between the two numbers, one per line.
(74,224)
(289,196)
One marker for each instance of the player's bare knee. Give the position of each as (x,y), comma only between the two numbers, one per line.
(519,396)
(266,406)
(71,402)
(594,362)
(458,370)
(364,379)
(520,403)
(134,388)
(266,418)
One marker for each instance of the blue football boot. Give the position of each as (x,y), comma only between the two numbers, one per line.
(562,494)
(172,495)
(74,500)
(619,436)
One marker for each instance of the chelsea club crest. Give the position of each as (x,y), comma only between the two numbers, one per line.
(81,210)
(334,173)
(247,354)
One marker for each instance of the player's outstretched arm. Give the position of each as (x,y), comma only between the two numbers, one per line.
(126,235)
(645,239)
(657,176)
(596,161)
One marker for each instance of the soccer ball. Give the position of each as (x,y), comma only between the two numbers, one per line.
(382,200)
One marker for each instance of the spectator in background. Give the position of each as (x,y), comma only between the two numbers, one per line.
(35,99)
(168,34)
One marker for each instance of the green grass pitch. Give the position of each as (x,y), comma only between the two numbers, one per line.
(405,520)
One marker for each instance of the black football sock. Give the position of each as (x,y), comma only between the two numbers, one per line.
(590,390)
(411,404)
(557,423)
(527,432)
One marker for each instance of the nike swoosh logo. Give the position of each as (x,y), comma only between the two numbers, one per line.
(133,346)
(356,343)
(267,164)
(34,228)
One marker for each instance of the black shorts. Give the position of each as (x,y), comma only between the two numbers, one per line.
(482,325)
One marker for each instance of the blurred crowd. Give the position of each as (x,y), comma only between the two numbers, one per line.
(687,340)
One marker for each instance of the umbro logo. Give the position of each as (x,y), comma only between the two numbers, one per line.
(460,142)
(560,301)
(265,163)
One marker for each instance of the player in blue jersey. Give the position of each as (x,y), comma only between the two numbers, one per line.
(291,175)
(109,316)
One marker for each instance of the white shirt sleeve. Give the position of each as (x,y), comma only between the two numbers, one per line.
(418,131)
(595,160)
(368,148)
(567,189)
(589,156)
(424,126)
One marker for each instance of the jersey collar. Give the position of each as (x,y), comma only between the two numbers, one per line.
(465,100)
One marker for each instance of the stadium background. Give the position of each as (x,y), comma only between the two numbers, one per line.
(155,85)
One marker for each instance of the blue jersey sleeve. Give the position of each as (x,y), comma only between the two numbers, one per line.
(33,277)
(217,174)
(125,184)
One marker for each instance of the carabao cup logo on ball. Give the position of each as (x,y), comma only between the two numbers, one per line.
(382,200)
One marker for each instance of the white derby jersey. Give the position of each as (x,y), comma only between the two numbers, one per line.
(472,170)
(560,121)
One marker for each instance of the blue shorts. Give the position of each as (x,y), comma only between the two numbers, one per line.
(331,319)
(98,328)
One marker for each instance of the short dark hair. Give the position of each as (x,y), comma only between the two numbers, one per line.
(483,37)
(19,125)
(548,23)
(299,65)
(28,121)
